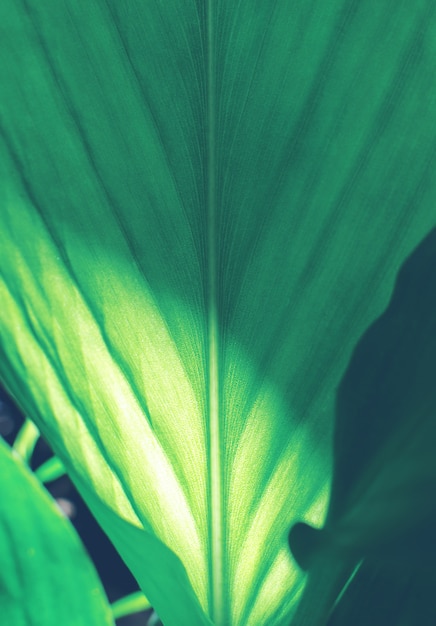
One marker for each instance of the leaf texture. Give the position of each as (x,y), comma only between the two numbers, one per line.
(204,205)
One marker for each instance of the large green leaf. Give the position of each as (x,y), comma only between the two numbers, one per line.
(205,204)
(46,578)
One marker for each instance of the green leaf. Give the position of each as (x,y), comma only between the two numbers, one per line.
(381,507)
(386,410)
(46,577)
(379,596)
(26,440)
(50,470)
(204,206)
(133,603)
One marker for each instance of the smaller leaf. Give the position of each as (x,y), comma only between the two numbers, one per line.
(26,440)
(46,578)
(133,603)
(50,470)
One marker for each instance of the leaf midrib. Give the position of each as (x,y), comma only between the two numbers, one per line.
(216,569)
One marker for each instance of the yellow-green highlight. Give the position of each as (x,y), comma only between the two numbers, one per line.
(50,470)
(26,440)
(133,603)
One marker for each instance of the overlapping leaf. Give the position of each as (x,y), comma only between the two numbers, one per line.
(382,505)
(205,205)
(46,578)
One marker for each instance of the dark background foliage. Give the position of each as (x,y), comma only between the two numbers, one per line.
(115,576)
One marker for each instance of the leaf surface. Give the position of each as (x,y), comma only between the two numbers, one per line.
(46,577)
(205,204)
(381,511)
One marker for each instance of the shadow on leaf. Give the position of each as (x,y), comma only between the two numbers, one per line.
(383,503)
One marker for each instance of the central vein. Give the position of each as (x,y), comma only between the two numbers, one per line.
(215,469)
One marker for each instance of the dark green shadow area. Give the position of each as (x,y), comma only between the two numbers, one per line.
(383,503)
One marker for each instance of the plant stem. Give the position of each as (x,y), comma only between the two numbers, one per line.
(133,603)
(26,439)
(50,470)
